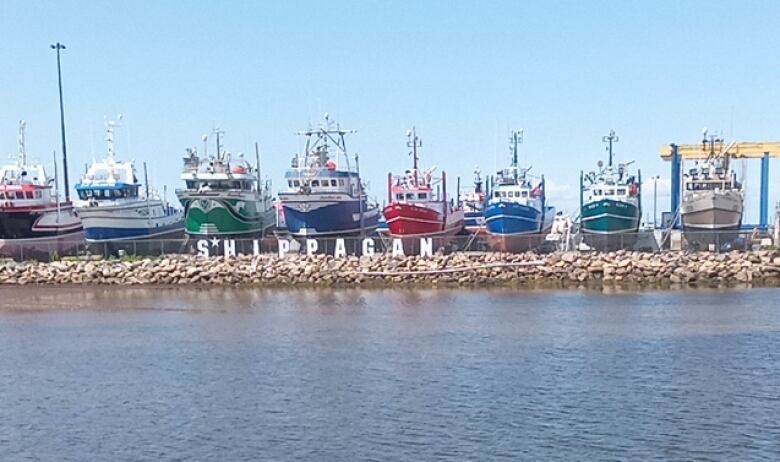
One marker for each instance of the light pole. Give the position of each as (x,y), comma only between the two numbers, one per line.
(655,199)
(58,46)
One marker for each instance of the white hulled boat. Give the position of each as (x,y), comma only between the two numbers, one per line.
(113,204)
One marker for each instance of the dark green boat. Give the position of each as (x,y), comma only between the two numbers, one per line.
(225,197)
(610,204)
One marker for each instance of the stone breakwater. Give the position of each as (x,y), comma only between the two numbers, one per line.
(460,269)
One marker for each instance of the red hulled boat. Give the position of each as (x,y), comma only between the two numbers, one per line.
(418,207)
(32,217)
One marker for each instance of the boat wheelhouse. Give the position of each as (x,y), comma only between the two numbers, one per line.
(418,202)
(610,203)
(114,205)
(325,196)
(225,196)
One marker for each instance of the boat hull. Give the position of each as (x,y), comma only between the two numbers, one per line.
(410,223)
(214,216)
(712,217)
(39,222)
(513,227)
(129,222)
(414,221)
(474,222)
(609,224)
(320,215)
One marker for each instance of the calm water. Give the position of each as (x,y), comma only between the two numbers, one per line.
(153,375)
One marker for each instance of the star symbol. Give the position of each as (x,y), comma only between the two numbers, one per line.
(214,242)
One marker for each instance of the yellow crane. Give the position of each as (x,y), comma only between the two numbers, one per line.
(745,150)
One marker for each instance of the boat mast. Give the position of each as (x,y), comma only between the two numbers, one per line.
(611,138)
(711,140)
(516,139)
(219,132)
(22,147)
(110,139)
(257,166)
(414,143)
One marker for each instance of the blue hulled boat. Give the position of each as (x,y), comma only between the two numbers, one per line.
(322,197)
(517,215)
(114,206)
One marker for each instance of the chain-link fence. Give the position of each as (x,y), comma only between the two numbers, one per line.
(649,241)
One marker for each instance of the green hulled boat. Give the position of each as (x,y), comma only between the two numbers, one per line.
(224,197)
(610,204)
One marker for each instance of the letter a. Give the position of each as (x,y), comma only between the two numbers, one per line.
(398,248)
(341,248)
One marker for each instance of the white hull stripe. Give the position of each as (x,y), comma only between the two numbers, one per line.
(609,215)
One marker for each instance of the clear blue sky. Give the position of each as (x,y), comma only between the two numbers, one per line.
(464,73)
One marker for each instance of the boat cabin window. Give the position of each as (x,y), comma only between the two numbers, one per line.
(341,182)
(496,194)
(191,184)
(113,193)
(409,196)
(315,183)
(609,192)
(19,195)
(289,183)
(38,195)
(399,197)
(29,194)
(2,195)
(525,194)
(296,183)
(621,191)
(422,196)
(333,183)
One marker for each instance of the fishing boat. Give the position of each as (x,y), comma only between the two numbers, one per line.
(473,203)
(418,205)
(225,196)
(610,203)
(115,206)
(32,216)
(517,215)
(713,199)
(325,195)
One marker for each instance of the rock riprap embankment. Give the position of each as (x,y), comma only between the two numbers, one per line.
(461,269)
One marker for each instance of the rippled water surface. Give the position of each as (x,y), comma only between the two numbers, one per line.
(137,374)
